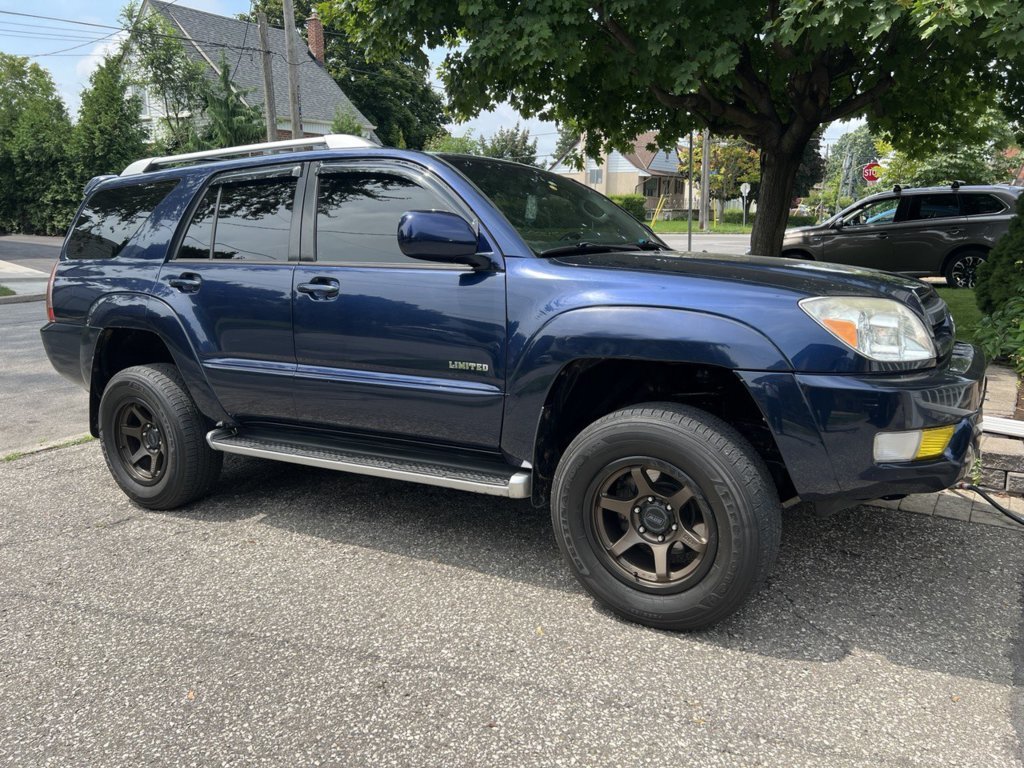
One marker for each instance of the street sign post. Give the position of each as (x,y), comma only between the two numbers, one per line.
(744,191)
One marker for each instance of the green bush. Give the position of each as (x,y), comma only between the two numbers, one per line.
(733,216)
(1001,334)
(632,204)
(1001,277)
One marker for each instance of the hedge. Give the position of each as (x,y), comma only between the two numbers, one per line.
(734,216)
(1001,276)
(632,204)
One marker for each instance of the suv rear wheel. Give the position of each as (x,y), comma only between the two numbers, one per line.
(961,271)
(666,514)
(154,438)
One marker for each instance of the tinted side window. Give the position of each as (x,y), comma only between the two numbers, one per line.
(980,205)
(196,243)
(933,207)
(111,217)
(248,219)
(357,215)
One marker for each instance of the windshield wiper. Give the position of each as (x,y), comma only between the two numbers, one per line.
(584,247)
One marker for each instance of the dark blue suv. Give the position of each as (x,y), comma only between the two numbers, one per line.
(487,326)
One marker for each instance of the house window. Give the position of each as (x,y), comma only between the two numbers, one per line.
(651,188)
(595,176)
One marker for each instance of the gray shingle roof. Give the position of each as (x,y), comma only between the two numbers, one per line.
(210,34)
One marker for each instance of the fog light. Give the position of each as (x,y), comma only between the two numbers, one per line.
(934,442)
(912,445)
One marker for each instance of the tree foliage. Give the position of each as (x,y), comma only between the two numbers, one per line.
(466,144)
(771,72)
(176,82)
(1001,277)
(229,120)
(393,92)
(35,153)
(981,158)
(511,144)
(109,133)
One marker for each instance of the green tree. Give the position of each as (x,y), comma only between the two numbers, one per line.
(772,72)
(109,133)
(177,83)
(35,134)
(980,158)
(230,121)
(568,136)
(511,144)
(393,92)
(345,121)
(466,144)
(732,162)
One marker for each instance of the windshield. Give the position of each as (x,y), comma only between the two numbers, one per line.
(554,214)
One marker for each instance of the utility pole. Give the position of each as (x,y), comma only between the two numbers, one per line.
(269,108)
(705,180)
(293,68)
(689,205)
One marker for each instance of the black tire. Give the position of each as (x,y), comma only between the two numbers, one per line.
(146,411)
(733,496)
(961,270)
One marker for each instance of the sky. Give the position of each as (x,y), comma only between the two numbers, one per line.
(70,52)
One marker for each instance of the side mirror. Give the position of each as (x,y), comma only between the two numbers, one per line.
(839,224)
(440,236)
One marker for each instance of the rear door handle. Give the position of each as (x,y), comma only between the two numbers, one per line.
(186,282)
(954,231)
(882,235)
(320,288)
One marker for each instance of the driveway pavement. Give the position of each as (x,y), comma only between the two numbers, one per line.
(299,615)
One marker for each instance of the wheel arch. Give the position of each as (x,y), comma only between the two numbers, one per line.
(135,329)
(962,249)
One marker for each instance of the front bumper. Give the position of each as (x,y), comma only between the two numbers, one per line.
(825,425)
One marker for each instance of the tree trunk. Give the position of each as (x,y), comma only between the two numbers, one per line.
(778,178)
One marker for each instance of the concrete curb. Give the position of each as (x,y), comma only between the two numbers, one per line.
(51,445)
(22,298)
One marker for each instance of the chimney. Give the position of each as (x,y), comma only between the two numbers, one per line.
(315,36)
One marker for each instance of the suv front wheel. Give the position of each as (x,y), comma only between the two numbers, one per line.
(666,514)
(154,438)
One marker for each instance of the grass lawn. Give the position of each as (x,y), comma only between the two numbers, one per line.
(5,291)
(678,226)
(965,310)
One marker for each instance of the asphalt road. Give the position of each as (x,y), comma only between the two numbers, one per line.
(734,244)
(33,252)
(38,405)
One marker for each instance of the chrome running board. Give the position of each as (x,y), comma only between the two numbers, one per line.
(486,479)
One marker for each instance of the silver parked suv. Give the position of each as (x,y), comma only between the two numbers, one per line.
(925,231)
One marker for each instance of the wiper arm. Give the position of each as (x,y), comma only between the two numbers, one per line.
(563,250)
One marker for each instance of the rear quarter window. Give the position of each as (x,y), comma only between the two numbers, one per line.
(111,217)
(981,205)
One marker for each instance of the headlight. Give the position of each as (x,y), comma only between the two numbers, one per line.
(879,329)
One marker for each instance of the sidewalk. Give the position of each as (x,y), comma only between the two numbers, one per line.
(24,281)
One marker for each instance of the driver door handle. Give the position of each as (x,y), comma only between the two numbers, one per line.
(882,235)
(186,282)
(320,288)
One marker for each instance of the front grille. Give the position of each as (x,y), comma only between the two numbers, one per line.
(939,319)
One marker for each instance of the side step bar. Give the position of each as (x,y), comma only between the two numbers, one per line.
(493,481)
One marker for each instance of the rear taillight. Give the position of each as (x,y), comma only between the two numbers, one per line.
(49,294)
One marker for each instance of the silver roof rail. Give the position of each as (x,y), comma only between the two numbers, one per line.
(330,141)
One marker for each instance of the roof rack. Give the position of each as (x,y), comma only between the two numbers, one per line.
(958,183)
(330,141)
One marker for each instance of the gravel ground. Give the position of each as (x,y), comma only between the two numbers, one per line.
(302,617)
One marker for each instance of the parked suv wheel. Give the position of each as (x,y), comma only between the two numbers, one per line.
(666,514)
(961,271)
(153,438)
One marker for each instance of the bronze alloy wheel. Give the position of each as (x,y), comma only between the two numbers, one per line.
(653,527)
(141,443)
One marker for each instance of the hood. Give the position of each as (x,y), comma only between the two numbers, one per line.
(810,278)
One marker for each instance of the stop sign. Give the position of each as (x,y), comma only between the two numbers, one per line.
(871,172)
